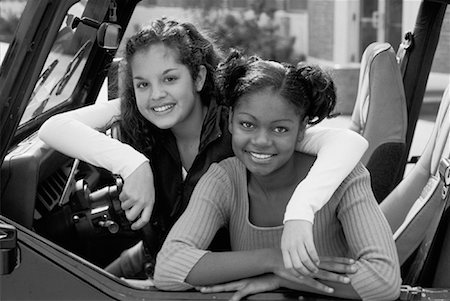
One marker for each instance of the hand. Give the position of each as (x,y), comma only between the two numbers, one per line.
(336,269)
(333,269)
(293,276)
(138,196)
(297,247)
(245,287)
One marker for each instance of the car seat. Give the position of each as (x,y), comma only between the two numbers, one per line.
(379,115)
(415,207)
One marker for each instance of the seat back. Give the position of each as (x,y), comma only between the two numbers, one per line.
(416,202)
(380,116)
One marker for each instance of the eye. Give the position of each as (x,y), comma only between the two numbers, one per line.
(280,130)
(247,125)
(141,85)
(170,78)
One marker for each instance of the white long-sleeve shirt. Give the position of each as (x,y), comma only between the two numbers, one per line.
(79,134)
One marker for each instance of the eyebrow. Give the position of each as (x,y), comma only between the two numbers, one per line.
(278,120)
(164,73)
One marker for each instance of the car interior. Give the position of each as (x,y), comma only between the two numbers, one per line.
(75,205)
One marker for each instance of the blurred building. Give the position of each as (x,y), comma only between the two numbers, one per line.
(331,32)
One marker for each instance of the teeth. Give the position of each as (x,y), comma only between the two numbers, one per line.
(162,108)
(260,156)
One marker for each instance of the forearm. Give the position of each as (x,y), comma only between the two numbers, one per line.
(220,267)
(77,134)
(370,240)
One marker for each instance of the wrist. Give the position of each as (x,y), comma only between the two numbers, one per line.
(274,260)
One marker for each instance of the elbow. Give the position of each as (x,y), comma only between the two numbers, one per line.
(45,131)
(168,275)
(167,282)
(359,140)
(389,289)
(384,284)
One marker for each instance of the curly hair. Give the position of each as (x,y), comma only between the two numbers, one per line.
(194,49)
(308,87)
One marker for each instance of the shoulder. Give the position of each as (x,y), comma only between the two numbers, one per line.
(220,185)
(228,169)
(224,175)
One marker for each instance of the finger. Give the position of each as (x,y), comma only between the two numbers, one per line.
(133,213)
(227,287)
(255,285)
(123,196)
(126,204)
(287,259)
(143,220)
(302,263)
(312,252)
(250,289)
(344,260)
(318,285)
(342,268)
(239,295)
(330,276)
(311,282)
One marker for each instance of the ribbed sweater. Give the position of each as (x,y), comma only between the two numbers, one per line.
(349,225)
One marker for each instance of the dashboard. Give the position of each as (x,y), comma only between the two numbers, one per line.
(71,203)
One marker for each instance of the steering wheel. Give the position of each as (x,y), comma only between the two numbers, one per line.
(99,210)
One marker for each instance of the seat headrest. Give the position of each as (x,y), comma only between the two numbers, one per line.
(363,96)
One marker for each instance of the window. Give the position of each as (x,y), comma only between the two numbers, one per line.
(10,13)
(63,66)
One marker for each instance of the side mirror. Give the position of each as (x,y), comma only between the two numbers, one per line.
(108,34)
(9,251)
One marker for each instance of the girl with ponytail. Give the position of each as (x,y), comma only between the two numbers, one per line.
(271,105)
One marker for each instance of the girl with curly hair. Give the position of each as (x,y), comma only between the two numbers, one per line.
(173,128)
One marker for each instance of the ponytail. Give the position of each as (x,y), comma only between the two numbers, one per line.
(320,89)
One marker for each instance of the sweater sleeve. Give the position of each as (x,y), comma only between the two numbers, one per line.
(78,134)
(193,232)
(338,151)
(370,241)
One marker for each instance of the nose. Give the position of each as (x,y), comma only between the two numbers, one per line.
(261,138)
(158,92)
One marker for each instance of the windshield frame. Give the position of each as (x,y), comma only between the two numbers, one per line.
(23,62)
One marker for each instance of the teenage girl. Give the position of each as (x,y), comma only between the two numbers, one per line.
(271,106)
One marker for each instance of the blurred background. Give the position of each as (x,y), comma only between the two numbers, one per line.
(333,33)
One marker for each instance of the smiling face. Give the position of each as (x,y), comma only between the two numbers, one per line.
(166,93)
(264,129)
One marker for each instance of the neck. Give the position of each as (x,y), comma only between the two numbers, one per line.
(191,128)
(282,178)
(269,195)
(188,134)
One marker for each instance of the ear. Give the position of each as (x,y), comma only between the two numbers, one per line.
(201,77)
(230,121)
(302,129)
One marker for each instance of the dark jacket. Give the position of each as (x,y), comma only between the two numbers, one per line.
(171,192)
